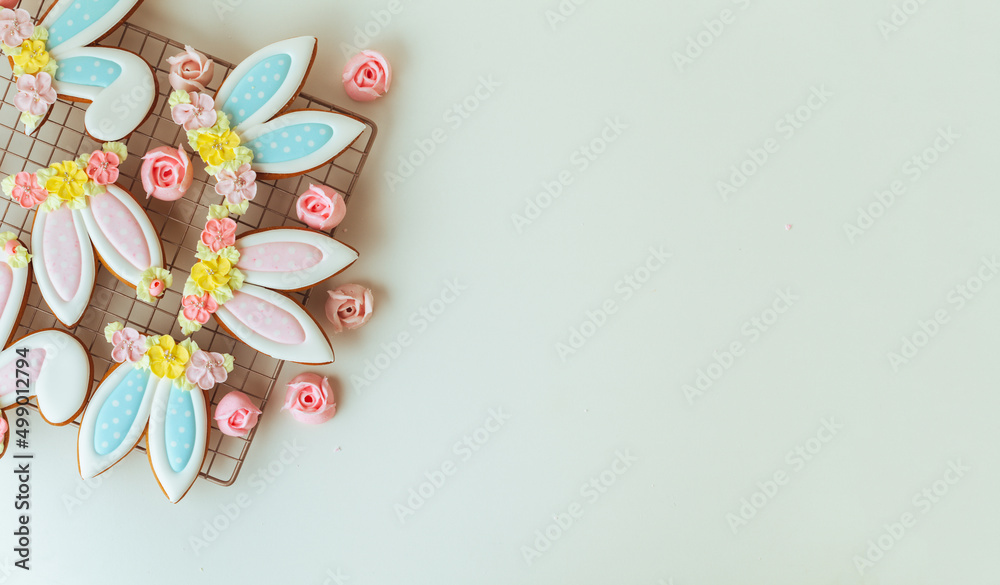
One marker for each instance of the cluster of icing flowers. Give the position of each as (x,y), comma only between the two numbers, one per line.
(215,277)
(12,251)
(69,182)
(208,130)
(34,69)
(189,366)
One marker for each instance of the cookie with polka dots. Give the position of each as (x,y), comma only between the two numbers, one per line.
(56,58)
(158,389)
(242,128)
(50,366)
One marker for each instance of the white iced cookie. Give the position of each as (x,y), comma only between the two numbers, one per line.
(54,367)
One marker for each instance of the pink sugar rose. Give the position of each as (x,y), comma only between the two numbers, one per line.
(129,345)
(15,26)
(219,233)
(102,168)
(310,399)
(11,247)
(190,70)
(166,173)
(34,93)
(206,369)
(321,208)
(199,308)
(27,192)
(350,306)
(236,415)
(200,113)
(237,187)
(367,76)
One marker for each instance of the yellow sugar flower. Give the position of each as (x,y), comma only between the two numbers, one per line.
(211,274)
(216,149)
(33,56)
(167,359)
(67,182)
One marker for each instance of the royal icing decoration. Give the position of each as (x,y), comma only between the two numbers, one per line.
(59,369)
(160,382)
(230,278)
(310,399)
(82,210)
(238,134)
(14,283)
(236,415)
(4,437)
(349,306)
(53,59)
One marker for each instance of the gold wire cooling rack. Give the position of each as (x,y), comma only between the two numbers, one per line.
(179,224)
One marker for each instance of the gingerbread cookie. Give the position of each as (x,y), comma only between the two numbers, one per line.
(56,370)
(239,133)
(56,58)
(158,388)
(80,209)
(236,278)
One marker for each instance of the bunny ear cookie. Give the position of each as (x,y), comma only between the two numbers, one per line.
(80,209)
(55,59)
(54,366)
(158,389)
(15,280)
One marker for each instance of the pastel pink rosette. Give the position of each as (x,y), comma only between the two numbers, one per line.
(200,113)
(129,345)
(206,369)
(166,173)
(367,76)
(199,308)
(27,192)
(11,247)
(219,234)
(349,306)
(190,70)
(236,415)
(321,208)
(102,168)
(35,93)
(15,26)
(310,399)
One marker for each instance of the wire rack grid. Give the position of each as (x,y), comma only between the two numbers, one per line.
(178,223)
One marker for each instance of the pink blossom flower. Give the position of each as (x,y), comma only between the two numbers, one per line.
(350,306)
(102,168)
(199,308)
(129,345)
(237,187)
(367,76)
(15,26)
(219,233)
(206,369)
(200,113)
(35,93)
(27,192)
